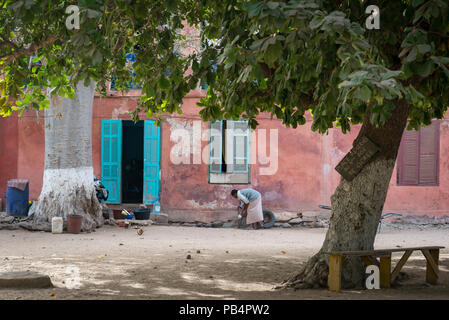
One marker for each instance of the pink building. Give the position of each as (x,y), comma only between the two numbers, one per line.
(294,170)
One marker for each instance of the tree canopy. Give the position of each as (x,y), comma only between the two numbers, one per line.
(286,58)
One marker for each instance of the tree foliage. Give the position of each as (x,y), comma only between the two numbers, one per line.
(290,57)
(38,51)
(286,58)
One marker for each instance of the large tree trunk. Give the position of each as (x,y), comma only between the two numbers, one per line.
(357,207)
(68,187)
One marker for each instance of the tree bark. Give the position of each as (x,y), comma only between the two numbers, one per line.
(68,187)
(357,207)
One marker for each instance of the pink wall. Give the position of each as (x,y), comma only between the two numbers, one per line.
(8,153)
(431,200)
(31,151)
(304,179)
(185,191)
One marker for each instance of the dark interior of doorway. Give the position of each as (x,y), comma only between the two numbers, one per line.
(132,162)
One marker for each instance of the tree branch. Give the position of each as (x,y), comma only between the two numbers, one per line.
(31,50)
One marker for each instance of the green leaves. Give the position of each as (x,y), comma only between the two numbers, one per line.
(164,83)
(363,94)
(280,57)
(273,53)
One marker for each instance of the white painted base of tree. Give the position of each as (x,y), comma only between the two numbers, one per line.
(69,192)
(356,210)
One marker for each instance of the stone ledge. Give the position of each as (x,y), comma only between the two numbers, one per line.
(24,280)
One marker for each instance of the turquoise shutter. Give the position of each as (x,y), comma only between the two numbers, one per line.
(215,145)
(240,142)
(111,158)
(151,162)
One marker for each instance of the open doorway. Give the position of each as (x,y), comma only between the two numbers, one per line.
(132,162)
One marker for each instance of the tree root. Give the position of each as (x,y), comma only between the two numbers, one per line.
(312,275)
(81,202)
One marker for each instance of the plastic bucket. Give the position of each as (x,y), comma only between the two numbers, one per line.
(17,200)
(74,224)
(142,214)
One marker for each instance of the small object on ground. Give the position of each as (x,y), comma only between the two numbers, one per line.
(57,224)
(296,221)
(228,224)
(121,244)
(127,214)
(140,231)
(142,214)
(52,294)
(269,219)
(283,252)
(189,257)
(74,223)
(117,214)
(198,251)
(156,208)
(217,224)
(126,224)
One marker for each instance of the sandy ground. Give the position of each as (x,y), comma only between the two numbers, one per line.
(116,263)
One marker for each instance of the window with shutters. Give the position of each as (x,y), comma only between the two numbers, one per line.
(418,157)
(229,152)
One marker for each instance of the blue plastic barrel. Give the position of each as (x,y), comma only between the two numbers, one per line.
(17,199)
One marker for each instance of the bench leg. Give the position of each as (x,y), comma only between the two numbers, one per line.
(385,271)
(432,257)
(335,266)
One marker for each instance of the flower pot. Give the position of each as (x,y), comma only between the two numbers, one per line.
(118,214)
(74,224)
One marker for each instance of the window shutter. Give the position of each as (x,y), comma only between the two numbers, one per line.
(151,164)
(215,146)
(429,154)
(240,141)
(111,158)
(408,164)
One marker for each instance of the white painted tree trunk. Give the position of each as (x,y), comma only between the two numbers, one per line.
(68,187)
(356,208)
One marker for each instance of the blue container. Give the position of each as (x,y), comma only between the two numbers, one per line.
(16,200)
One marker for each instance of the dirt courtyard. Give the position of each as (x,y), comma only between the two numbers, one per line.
(116,263)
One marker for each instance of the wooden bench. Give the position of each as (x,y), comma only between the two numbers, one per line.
(386,275)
